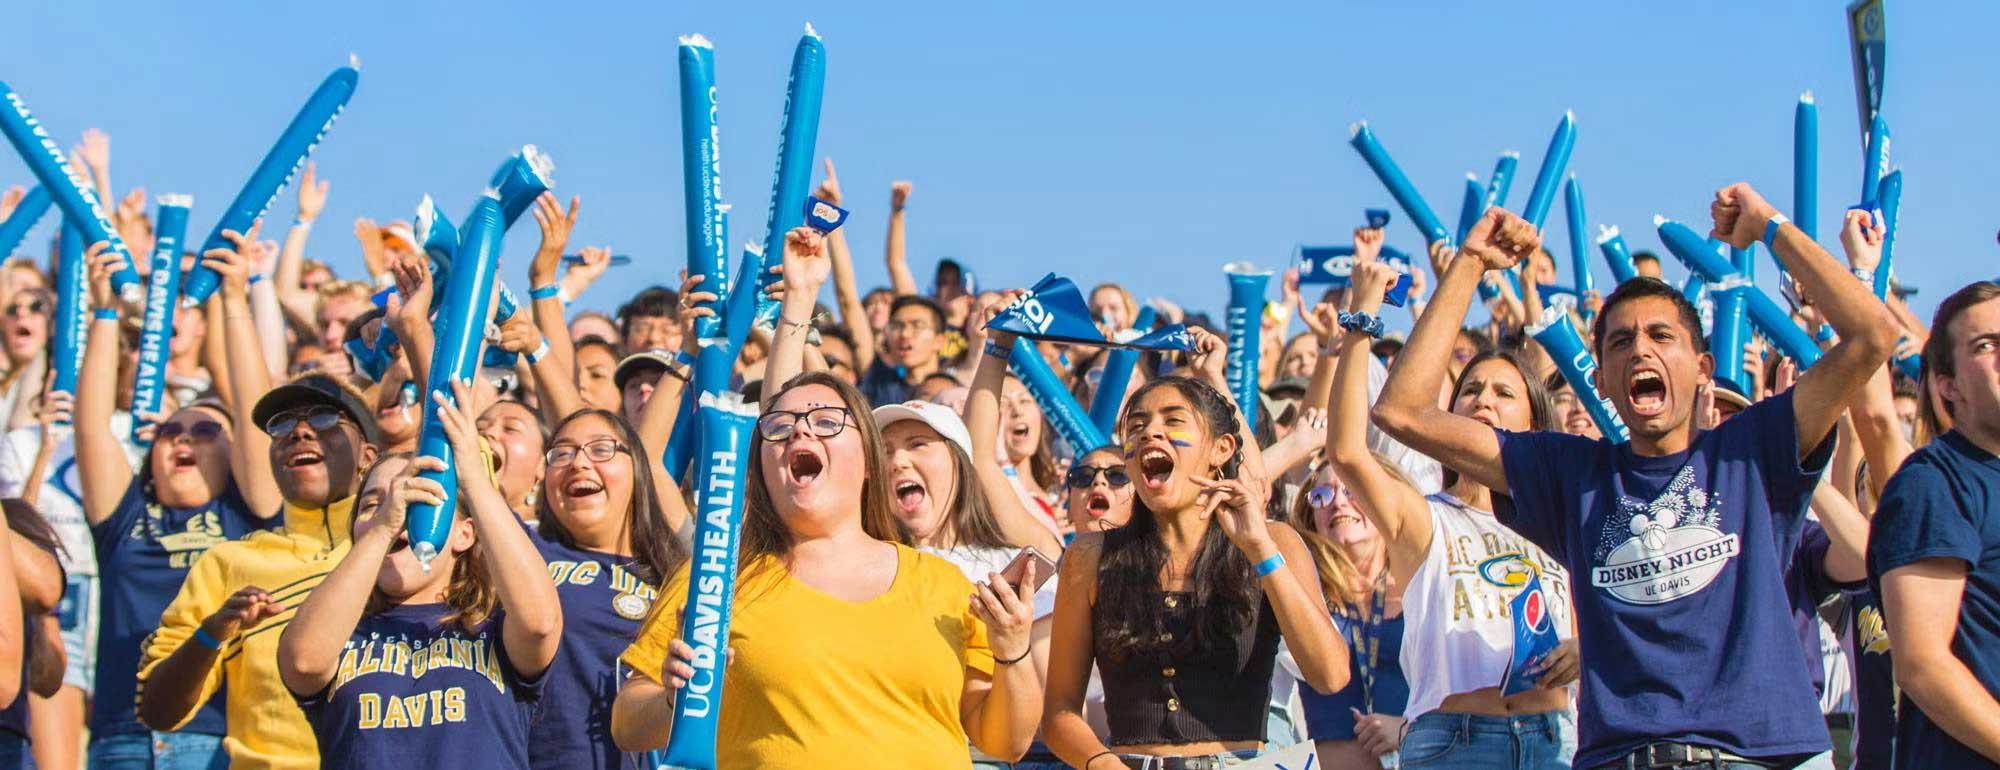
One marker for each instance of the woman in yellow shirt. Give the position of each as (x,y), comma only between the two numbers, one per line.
(847,647)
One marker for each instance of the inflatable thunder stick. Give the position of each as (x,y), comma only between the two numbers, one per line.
(461,328)
(32,207)
(1616,254)
(741,303)
(1730,335)
(701,174)
(162,295)
(1503,180)
(1109,399)
(1471,207)
(1392,177)
(521,180)
(1543,194)
(275,171)
(1891,200)
(1805,165)
(1579,249)
(1693,250)
(798,134)
(1745,262)
(71,323)
(72,191)
(1068,417)
(1244,324)
(727,425)
(1874,163)
(1557,334)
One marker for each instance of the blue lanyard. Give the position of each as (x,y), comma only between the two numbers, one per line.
(1367,635)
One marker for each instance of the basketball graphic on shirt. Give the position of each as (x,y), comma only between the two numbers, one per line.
(1653,552)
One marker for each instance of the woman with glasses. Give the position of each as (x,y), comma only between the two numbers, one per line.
(1458,567)
(1368,611)
(397,663)
(847,647)
(1098,492)
(148,528)
(608,546)
(24,331)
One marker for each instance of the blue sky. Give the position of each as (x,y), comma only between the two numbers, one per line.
(1143,142)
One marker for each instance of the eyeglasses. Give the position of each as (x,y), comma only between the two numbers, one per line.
(824,422)
(206,430)
(1082,476)
(320,418)
(31,307)
(1324,495)
(599,451)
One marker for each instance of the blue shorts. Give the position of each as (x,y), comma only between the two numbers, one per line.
(77,614)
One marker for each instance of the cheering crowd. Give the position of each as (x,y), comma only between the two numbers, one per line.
(929,576)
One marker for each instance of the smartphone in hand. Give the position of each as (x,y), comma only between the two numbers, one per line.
(1016,569)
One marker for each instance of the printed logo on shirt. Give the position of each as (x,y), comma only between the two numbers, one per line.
(398,656)
(632,598)
(203,531)
(1656,552)
(1869,632)
(1508,570)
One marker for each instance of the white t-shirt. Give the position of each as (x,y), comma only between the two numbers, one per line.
(978,563)
(1457,633)
(61,500)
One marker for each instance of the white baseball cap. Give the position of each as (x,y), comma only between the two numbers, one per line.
(938,416)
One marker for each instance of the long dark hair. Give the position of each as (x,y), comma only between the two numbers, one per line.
(764,534)
(29,524)
(656,551)
(1541,406)
(1133,618)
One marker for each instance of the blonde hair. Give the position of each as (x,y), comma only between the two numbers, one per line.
(1125,297)
(338,290)
(1337,571)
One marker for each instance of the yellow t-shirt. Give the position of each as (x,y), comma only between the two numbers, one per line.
(820,682)
(266,729)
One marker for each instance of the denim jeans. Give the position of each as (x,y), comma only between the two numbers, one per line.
(158,751)
(1470,742)
(14,752)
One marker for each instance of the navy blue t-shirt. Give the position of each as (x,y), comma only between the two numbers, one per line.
(1809,586)
(1327,716)
(884,384)
(414,692)
(1874,683)
(1679,565)
(143,553)
(1945,504)
(603,603)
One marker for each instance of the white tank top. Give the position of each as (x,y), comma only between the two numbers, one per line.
(1457,633)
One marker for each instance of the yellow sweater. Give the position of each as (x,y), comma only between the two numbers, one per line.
(266,728)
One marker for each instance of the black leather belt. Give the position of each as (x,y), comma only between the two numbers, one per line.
(1137,762)
(1662,756)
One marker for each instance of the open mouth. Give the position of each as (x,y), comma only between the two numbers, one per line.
(1647,391)
(1155,467)
(804,466)
(300,458)
(580,488)
(182,459)
(1098,504)
(1019,431)
(402,542)
(910,495)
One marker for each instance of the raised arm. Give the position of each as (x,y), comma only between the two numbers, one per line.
(100,460)
(1867,329)
(556,225)
(1408,407)
(249,447)
(1847,529)
(1873,408)
(309,648)
(982,423)
(1395,507)
(409,313)
(805,270)
(846,293)
(532,626)
(900,279)
(297,303)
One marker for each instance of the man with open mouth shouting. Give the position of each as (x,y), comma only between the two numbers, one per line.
(303,447)
(1677,539)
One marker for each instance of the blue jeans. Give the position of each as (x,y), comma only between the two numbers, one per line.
(1469,742)
(158,751)
(14,752)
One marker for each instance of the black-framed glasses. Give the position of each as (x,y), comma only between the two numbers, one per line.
(320,418)
(206,430)
(598,450)
(1082,476)
(824,422)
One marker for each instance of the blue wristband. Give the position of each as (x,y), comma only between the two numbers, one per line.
(1825,333)
(1771,231)
(996,350)
(255,278)
(104,313)
(202,638)
(548,291)
(1273,564)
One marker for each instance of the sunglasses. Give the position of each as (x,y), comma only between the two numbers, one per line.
(31,307)
(599,451)
(206,430)
(320,418)
(1082,476)
(1324,496)
(823,422)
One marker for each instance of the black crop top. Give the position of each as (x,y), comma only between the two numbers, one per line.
(1182,695)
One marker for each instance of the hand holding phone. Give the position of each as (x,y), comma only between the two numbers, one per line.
(1044,568)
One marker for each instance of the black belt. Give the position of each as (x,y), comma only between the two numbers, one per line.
(1138,762)
(1659,756)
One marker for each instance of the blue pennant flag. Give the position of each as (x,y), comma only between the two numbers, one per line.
(1055,311)
(1334,266)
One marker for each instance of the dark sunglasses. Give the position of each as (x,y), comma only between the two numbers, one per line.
(35,306)
(206,430)
(824,422)
(1082,476)
(320,418)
